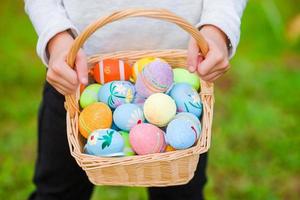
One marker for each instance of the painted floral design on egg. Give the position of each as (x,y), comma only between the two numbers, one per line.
(128,115)
(92,140)
(186,98)
(105,142)
(116,93)
(106,138)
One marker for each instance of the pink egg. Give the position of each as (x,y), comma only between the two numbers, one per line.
(147,139)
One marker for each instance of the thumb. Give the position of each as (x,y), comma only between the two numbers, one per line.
(81,67)
(193,55)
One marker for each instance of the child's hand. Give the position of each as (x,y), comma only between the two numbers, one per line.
(216,62)
(64,79)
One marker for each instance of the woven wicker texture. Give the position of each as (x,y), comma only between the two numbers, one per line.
(160,169)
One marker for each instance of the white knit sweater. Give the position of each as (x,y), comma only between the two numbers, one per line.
(50,17)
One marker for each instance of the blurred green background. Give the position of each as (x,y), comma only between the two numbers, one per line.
(255,152)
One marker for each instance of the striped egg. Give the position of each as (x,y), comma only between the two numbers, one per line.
(140,64)
(111,70)
(156,77)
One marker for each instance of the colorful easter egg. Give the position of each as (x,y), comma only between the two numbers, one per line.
(147,139)
(116,93)
(95,116)
(140,64)
(127,146)
(190,117)
(89,95)
(187,99)
(156,77)
(184,76)
(169,148)
(111,70)
(181,133)
(159,109)
(128,115)
(105,142)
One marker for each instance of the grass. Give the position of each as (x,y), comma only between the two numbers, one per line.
(256,134)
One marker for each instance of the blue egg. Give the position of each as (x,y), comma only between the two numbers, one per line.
(181,133)
(105,142)
(191,117)
(116,93)
(128,115)
(186,98)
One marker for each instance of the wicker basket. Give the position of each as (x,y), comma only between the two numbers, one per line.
(160,169)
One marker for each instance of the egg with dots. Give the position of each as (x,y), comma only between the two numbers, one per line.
(140,64)
(95,116)
(156,77)
(89,95)
(127,146)
(116,93)
(186,98)
(147,139)
(184,76)
(159,109)
(128,115)
(181,133)
(105,143)
(108,70)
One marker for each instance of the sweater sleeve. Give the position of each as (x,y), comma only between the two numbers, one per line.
(226,15)
(48,18)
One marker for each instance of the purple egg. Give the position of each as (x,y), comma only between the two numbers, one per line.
(156,77)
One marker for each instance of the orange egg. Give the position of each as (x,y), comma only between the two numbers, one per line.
(111,70)
(169,148)
(95,116)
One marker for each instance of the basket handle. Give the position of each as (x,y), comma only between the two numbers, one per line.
(71,104)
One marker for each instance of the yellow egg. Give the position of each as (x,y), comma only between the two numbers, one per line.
(159,109)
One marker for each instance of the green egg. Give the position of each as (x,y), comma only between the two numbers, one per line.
(89,95)
(184,76)
(127,147)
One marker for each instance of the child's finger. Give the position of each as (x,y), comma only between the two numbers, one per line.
(207,65)
(213,76)
(65,84)
(55,78)
(61,89)
(81,68)
(193,55)
(67,74)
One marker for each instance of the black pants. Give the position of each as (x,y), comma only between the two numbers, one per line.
(57,175)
